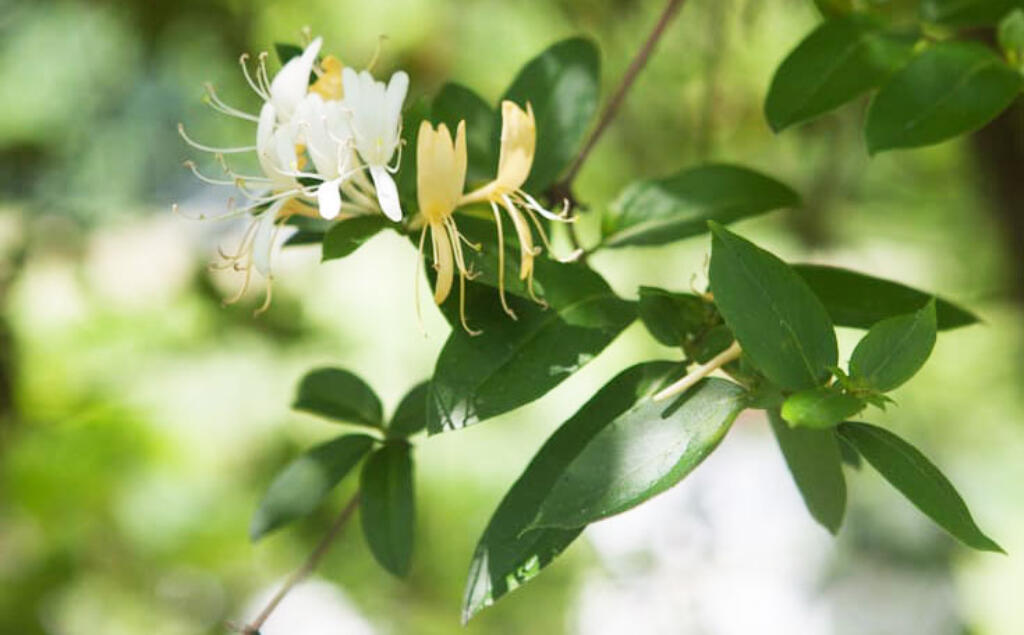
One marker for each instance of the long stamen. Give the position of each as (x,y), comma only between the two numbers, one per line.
(460,263)
(206,148)
(261,74)
(377,52)
(501,263)
(416,284)
(235,175)
(218,104)
(244,61)
(205,179)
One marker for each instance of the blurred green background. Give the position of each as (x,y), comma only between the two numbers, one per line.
(140,421)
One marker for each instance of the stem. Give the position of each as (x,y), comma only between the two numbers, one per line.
(699,373)
(612,107)
(253,628)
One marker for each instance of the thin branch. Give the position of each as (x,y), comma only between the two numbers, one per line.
(612,107)
(730,354)
(253,628)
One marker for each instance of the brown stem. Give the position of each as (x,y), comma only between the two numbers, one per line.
(612,107)
(253,628)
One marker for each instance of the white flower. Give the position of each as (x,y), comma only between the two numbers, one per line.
(289,86)
(376,115)
(328,138)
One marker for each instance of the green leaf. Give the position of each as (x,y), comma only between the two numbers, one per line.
(658,211)
(840,60)
(514,362)
(781,325)
(967,13)
(821,407)
(405,180)
(640,453)
(345,236)
(919,480)
(858,300)
(894,350)
(337,394)
(286,52)
(411,415)
(562,84)
(386,506)
(950,89)
(814,461)
(301,486)
(508,555)
(673,318)
(555,283)
(455,103)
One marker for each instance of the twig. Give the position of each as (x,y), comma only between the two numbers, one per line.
(612,107)
(699,373)
(253,628)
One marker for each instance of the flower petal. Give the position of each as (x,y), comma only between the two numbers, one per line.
(290,84)
(329,198)
(263,240)
(387,192)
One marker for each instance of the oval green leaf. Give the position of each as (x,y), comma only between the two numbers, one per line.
(508,555)
(950,89)
(411,415)
(840,60)
(674,318)
(658,211)
(514,362)
(337,394)
(919,480)
(345,236)
(815,463)
(858,300)
(386,506)
(562,84)
(301,486)
(635,455)
(822,407)
(894,350)
(782,326)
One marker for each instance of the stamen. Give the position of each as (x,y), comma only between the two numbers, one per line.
(261,74)
(377,52)
(205,179)
(244,61)
(501,263)
(206,148)
(218,104)
(416,284)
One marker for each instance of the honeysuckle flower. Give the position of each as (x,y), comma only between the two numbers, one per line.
(328,137)
(376,116)
(518,146)
(440,178)
(290,84)
(309,142)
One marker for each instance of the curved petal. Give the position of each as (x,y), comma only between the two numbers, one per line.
(387,192)
(329,198)
(290,84)
(263,240)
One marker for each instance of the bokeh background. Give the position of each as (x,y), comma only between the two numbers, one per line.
(140,421)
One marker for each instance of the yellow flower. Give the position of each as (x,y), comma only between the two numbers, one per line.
(518,146)
(440,178)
